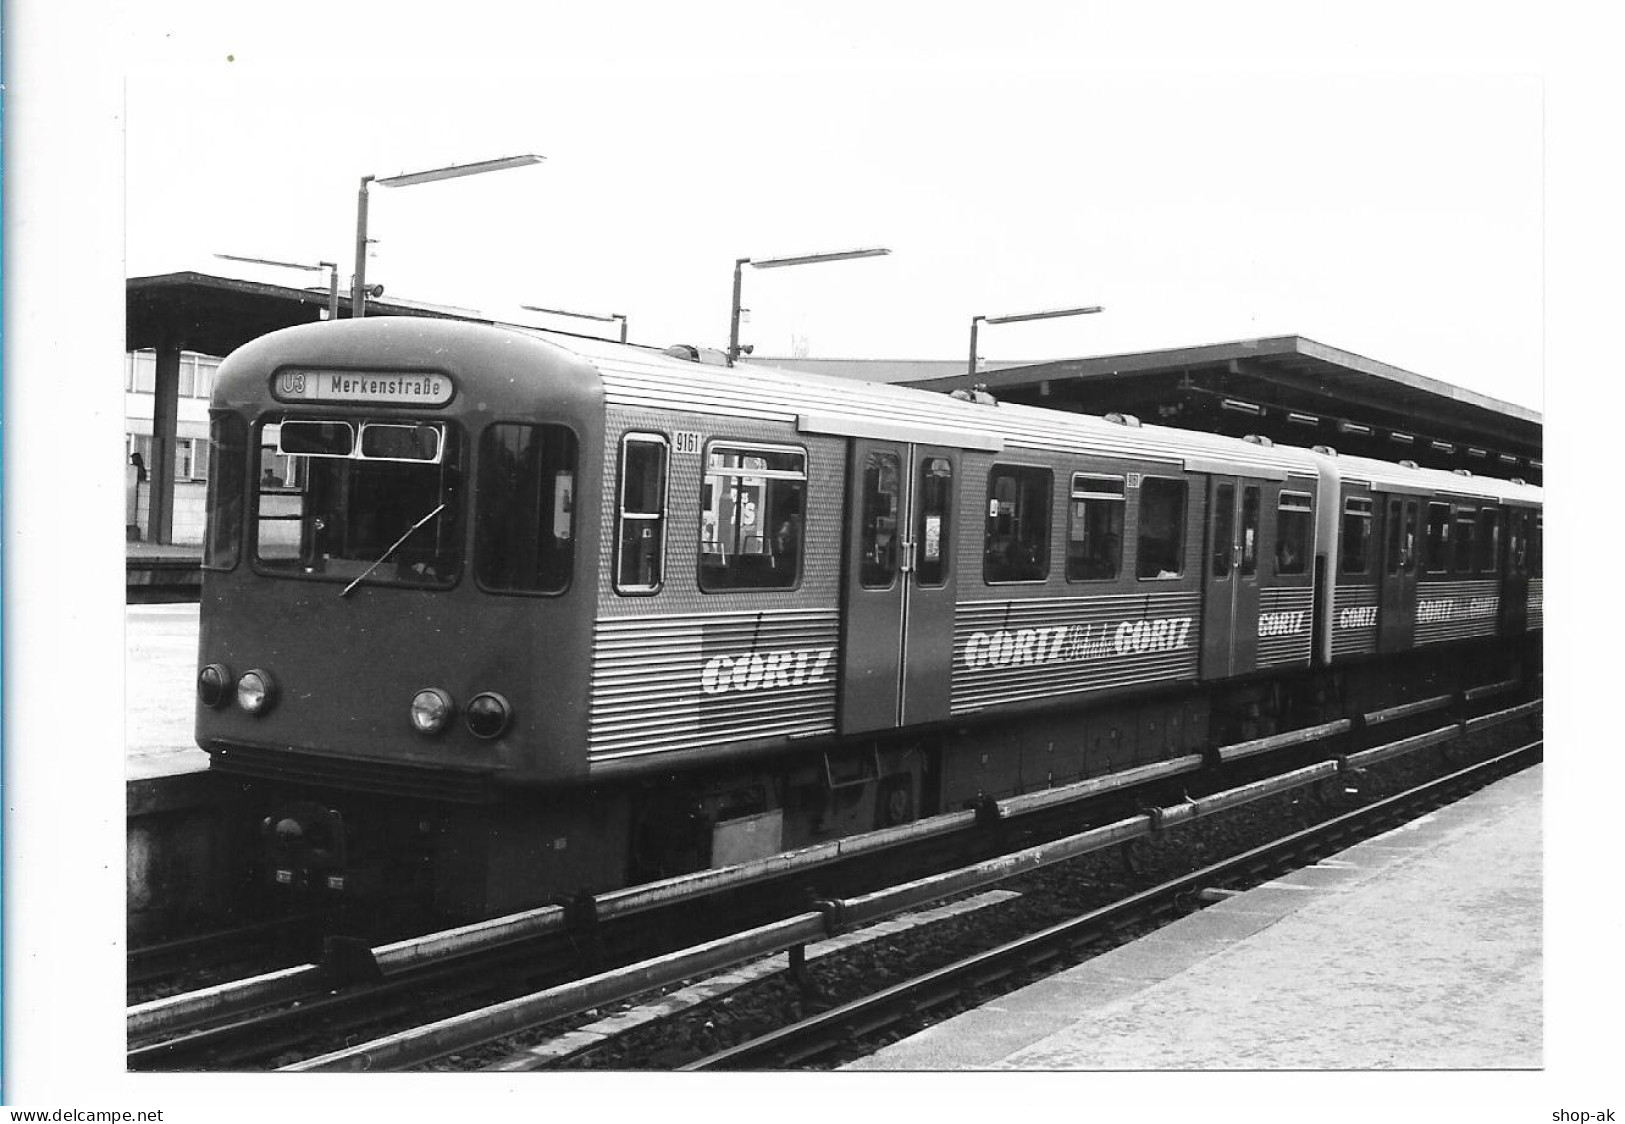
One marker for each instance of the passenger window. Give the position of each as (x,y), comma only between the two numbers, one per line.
(1094,543)
(640,539)
(1438,560)
(1488,558)
(1466,518)
(1016,545)
(1356,536)
(752,508)
(1160,551)
(936,494)
(1294,531)
(228,455)
(524,532)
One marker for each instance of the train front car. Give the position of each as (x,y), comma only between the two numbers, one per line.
(394,578)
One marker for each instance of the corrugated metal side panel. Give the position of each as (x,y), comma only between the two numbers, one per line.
(1286,642)
(1354,620)
(1015,651)
(1536,605)
(674,683)
(1456,610)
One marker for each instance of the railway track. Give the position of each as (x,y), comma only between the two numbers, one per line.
(585,957)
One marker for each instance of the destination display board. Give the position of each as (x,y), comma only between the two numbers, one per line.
(375,388)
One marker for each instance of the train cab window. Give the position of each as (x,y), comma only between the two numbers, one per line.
(524,531)
(1487,556)
(1094,541)
(1160,550)
(1294,532)
(228,458)
(1016,543)
(936,504)
(752,506)
(1356,535)
(640,538)
(361,509)
(1438,559)
(1461,552)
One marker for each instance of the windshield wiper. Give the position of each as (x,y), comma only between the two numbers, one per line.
(393,547)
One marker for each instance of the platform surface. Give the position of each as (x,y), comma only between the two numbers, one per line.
(1419,949)
(160,664)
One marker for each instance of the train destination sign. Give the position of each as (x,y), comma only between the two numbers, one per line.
(386,388)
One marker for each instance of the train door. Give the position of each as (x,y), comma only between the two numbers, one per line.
(899,598)
(1230,587)
(1397,618)
(1514,560)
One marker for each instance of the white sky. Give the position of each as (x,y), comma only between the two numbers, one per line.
(1430,185)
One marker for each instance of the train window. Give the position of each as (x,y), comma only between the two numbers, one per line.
(936,505)
(1161,548)
(395,523)
(640,539)
(1487,558)
(1094,540)
(1294,531)
(524,529)
(1251,503)
(1466,519)
(1438,559)
(1356,535)
(1535,546)
(751,516)
(877,530)
(1016,544)
(228,460)
(394,442)
(1224,529)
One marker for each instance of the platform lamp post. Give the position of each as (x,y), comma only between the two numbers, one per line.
(358,283)
(611,318)
(332,276)
(1051,314)
(775,263)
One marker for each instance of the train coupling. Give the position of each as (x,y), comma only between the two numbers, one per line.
(302,848)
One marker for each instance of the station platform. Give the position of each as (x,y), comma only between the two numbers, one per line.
(1418,949)
(160,663)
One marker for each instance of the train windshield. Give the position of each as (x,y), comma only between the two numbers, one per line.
(373,499)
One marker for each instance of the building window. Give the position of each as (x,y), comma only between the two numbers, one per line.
(641,517)
(1094,539)
(1161,548)
(1356,535)
(1438,560)
(524,530)
(751,512)
(1016,546)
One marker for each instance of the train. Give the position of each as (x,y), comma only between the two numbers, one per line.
(493,617)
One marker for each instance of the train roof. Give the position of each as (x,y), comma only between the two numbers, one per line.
(817,403)
(1407,477)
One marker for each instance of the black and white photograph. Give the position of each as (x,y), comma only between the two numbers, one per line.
(897,556)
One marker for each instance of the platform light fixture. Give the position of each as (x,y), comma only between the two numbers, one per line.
(332,276)
(1014,318)
(611,318)
(775,263)
(358,283)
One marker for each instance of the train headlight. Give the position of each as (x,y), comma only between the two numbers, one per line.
(488,714)
(431,710)
(214,685)
(256,691)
